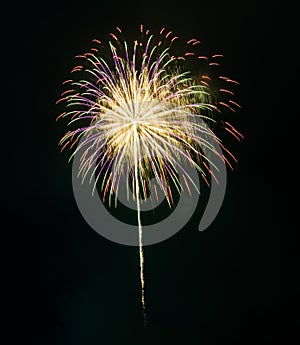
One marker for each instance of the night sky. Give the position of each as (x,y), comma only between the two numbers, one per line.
(235,283)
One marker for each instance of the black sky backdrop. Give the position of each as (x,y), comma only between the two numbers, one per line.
(235,283)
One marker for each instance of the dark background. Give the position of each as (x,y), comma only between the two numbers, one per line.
(235,283)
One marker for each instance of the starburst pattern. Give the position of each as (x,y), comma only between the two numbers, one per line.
(138,107)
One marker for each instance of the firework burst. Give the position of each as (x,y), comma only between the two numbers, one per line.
(137,105)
